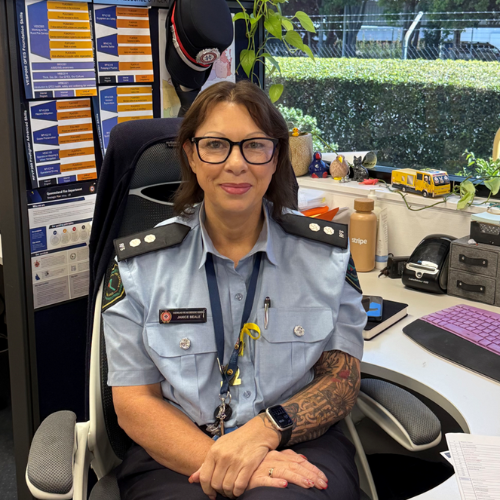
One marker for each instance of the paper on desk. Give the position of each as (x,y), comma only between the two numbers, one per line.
(477,464)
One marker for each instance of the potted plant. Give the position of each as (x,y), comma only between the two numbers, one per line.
(277,27)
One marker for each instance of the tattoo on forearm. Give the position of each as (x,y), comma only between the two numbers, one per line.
(329,398)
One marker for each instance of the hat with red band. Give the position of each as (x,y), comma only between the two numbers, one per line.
(198,31)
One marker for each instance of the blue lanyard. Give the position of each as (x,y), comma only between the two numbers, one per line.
(213,291)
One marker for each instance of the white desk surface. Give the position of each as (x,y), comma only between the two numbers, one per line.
(472,399)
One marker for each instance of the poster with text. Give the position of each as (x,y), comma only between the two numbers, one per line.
(59,142)
(122,104)
(60,220)
(56,49)
(123,44)
(223,70)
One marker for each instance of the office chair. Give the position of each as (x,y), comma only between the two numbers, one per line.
(63,450)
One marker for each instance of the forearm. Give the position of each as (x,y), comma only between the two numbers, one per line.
(329,398)
(166,433)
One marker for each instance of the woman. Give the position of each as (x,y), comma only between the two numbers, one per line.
(236,284)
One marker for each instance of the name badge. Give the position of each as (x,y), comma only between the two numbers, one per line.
(190,315)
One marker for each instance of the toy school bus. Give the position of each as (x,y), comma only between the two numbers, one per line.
(425,182)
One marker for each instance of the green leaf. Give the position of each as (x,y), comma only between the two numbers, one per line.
(466,187)
(493,185)
(272,60)
(275,91)
(286,24)
(308,51)
(465,201)
(305,20)
(247,60)
(293,38)
(241,15)
(273,24)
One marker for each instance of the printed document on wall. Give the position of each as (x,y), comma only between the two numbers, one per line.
(60,220)
(59,142)
(222,70)
(123,44)
(122,104)
(57,56)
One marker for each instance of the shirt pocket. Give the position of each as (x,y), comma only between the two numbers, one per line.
(289,348)
(190,372)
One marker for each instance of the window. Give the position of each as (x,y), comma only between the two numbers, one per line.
(417,97)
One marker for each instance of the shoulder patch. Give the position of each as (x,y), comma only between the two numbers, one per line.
(352,276)
(315,229)
(144,242)
(113,287)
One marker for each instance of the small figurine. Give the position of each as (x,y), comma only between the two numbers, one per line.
(318,167)
(295,132)
(370,159)
(360,172)
(369,182)
(339,167)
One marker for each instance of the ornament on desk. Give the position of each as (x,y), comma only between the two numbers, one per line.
(370,159)
(295,132)
(318,168)
(339,168)
(360,172)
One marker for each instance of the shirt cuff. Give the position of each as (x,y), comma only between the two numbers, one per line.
(134,377)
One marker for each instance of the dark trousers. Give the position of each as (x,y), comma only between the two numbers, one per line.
(142,478)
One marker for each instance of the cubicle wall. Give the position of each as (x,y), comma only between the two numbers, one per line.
(47,339)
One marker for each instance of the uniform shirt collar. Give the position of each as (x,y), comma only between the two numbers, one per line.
(263,244)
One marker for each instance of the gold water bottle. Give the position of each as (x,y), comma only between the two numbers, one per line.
(363,234)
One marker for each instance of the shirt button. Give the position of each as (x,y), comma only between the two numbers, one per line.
(239,296)
(247,394)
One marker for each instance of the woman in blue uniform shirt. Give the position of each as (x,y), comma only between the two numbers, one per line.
(234,349)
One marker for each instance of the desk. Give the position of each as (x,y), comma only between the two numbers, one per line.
(472,399)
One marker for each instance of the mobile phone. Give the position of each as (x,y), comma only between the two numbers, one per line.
(374,307)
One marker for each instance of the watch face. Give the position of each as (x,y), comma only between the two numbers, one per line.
(280,416)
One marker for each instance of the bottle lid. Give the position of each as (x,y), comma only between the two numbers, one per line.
(364,204)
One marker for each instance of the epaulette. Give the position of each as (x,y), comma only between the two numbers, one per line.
(144,242)
(315,229)
(351,276)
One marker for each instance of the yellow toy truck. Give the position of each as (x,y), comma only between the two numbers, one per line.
(425,182)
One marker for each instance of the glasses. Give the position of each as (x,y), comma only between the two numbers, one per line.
(256,151)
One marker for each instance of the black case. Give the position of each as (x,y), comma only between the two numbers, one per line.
(489,234)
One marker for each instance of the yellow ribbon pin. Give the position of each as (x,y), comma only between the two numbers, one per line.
(247,329)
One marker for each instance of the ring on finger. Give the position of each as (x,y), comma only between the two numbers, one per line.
(271,472)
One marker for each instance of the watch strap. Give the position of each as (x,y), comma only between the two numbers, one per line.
(285,437)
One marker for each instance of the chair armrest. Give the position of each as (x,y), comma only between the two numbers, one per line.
(49,474)
(403,416)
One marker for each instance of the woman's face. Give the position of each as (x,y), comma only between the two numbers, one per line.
(234,186)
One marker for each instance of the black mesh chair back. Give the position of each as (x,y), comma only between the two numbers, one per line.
(155,180)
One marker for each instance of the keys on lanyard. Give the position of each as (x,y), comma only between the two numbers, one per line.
(221,414)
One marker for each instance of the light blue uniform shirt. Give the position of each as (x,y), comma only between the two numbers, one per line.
(305,281)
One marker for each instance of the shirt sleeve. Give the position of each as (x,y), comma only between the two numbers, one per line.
(123,321)
(351,319)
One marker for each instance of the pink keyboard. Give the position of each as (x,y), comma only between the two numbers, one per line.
(471,323)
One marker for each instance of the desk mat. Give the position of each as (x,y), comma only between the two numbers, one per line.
(454,348)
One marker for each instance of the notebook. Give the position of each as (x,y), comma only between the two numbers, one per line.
(392,313)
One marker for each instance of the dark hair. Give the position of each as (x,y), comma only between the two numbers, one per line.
(282,188)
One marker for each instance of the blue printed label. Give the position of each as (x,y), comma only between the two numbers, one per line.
(72,84)
(65,180)
(107,125)
(109,100)
(109,66)
(61,66)
(67,75)
(45,111)
(39,29)
(108,45)
(48,170)
(65,93)
(38,239)
(106,17)
(47,136)
(47,155)
(126,79)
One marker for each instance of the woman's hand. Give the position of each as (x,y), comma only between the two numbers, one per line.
(232,460)
(287,467)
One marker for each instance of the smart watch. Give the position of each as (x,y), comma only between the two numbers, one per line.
(281,421)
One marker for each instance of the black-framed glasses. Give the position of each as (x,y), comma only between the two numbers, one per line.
(256,151)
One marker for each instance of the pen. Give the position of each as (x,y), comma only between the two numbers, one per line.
(267,305)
